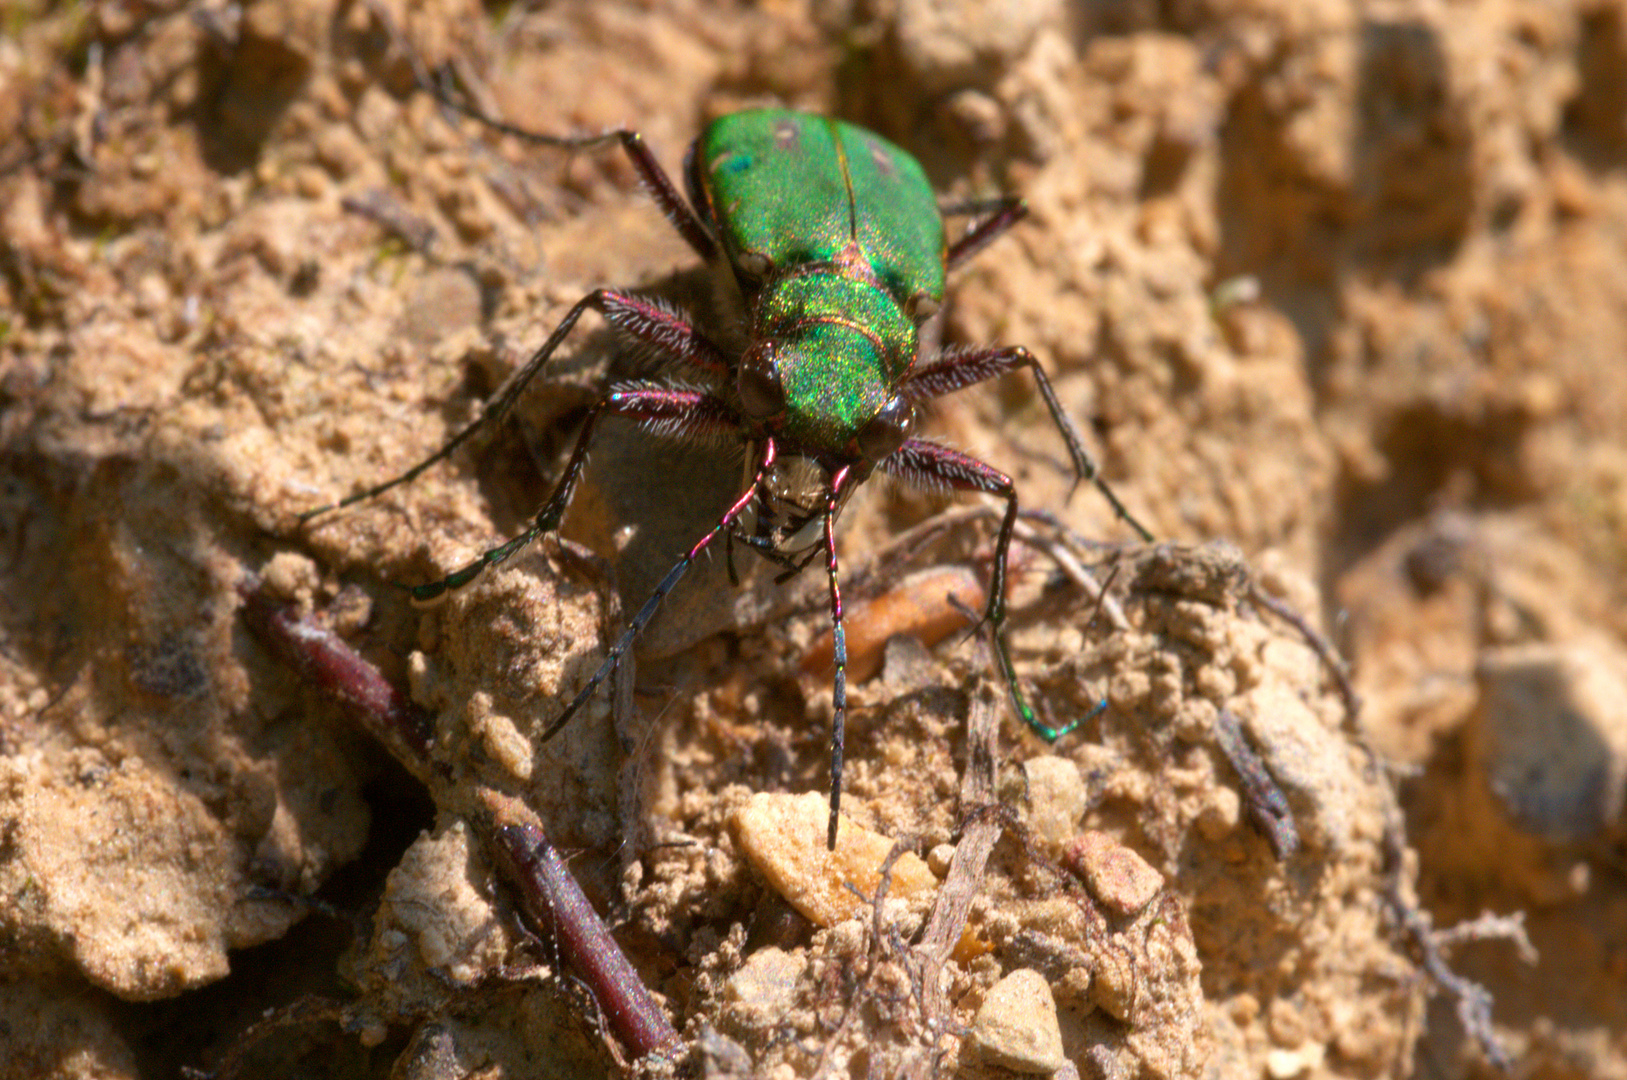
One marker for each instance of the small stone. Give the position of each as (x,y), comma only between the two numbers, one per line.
(928,605)
(1220,814)
(437,900)
(1116,876)
(722,1056)
(1551,736)
(940,858)
(1114,984)
(1017,1026)
(767,982)
(783,837)
(1284,1064)
(1056,797)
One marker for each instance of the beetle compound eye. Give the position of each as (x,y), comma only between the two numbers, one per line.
(761,393)
(887,430)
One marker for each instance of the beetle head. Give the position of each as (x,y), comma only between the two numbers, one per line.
(818,393)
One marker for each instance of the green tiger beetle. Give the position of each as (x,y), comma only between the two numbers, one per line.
(835,248)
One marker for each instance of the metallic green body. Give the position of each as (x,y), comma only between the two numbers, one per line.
(797,188)
(838,235)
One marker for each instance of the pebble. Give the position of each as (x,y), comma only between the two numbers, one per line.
(1286,1064)
(783,837)
(1551,735)
(919,605)
(767,981)
(1056,797)
(1116,877)
(1017,1025)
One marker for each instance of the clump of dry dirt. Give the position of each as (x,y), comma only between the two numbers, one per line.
(1340,287)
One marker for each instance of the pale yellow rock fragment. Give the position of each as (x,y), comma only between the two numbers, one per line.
(783,836)
(1017,1025)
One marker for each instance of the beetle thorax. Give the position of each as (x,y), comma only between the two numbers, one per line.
(838,346)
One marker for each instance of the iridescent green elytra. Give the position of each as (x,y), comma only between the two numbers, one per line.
(832,249)
(795,188)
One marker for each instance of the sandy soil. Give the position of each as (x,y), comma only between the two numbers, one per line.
(1337,293)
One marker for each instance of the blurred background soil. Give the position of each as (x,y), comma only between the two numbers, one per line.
(1344,285)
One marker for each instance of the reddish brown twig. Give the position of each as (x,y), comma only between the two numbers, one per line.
(1267,805)
(327,661)
(548,894)
(554,901)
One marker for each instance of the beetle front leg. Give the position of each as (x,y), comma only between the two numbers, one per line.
(928,465)
(959,369)
(833,500)
(668,583)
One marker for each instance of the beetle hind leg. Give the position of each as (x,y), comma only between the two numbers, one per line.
(647,321)
(674,207)
(691,413)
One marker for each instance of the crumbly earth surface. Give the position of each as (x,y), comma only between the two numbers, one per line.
(1343,286)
